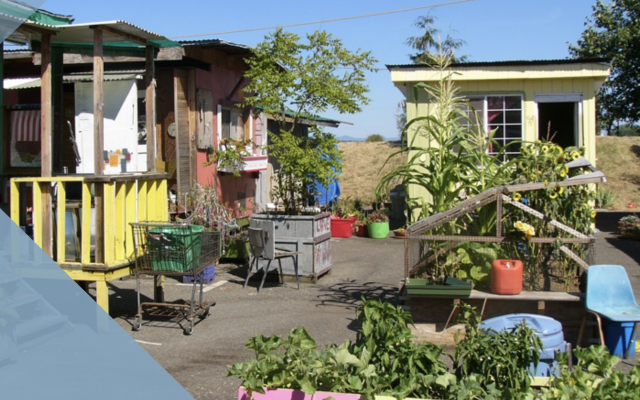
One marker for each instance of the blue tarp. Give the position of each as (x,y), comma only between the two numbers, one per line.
(325,196)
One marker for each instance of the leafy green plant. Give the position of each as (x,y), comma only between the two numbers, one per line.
(447,153)
(472,260)
(605,198)
(593,377)
(498,360)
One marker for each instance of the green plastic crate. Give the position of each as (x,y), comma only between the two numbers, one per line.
(181,254)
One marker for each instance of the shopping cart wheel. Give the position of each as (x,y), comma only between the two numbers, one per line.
(188,330)
(137,323)
(205,312)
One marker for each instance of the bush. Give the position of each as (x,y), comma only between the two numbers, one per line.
(605,198)
(376,137)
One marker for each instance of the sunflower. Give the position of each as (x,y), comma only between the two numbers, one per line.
(517,196)
(545,149)
(563,174)
(575,155)
(559,190)
(553,195)
(593,213)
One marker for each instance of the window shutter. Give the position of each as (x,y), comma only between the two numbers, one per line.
(204,119)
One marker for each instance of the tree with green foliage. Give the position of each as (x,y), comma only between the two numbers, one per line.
(294,81)
(614,32)
(376,137)
(430,43)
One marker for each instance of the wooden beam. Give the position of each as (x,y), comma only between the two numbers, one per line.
(241,82)
(26,28)
(151,109)
(46,132)
(123,35)
(98,139)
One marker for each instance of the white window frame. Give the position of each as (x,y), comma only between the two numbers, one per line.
(577,98)
(485,113)
(219,125)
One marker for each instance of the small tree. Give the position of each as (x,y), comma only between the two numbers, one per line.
(294,82)
(375,137)
(430,43)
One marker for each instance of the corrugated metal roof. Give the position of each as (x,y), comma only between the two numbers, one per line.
(505,63)
(223,45)
(31,83)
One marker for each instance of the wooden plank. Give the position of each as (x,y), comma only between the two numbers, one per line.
(575,257)
(120,222)
(85,257)
(469,203)
(61,219)
(152,211)
(46,133)
(101,247)
(541,216)
(37,214)
(150,109)
(183,149)
(193,144)
(204,118)
(51,179)
(109,223)
(98,102)
(584,179)
(163,202)
(142,200)
(493,239)
(15,201)
(523,296)
(131,216)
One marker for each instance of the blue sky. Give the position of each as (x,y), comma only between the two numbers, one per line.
(493,29)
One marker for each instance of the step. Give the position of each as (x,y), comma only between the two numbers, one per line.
(25,328)
(24,299)
(8,278)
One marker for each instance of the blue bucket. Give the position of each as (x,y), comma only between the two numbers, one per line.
(616,337)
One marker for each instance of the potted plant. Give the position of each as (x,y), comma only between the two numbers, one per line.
(343,217)
(378,224)
(400,233)
(629,227)
(360,226)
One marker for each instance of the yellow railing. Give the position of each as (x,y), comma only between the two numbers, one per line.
(127,198)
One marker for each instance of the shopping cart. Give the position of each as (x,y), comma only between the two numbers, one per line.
(174,250)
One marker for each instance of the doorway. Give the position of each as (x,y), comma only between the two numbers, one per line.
(557,122)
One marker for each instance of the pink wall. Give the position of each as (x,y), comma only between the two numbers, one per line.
(235,191)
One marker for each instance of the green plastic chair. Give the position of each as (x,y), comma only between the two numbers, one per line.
(610,296)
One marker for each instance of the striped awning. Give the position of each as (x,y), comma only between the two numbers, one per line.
(25,126)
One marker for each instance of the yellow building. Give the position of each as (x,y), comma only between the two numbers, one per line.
(521,99)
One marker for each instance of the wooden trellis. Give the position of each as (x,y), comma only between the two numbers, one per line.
(425,243)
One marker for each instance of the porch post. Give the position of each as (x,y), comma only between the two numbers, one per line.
(45,142)
(98,139)
(151,109)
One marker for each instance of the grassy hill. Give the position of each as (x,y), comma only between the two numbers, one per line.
(618,158)
(361,168)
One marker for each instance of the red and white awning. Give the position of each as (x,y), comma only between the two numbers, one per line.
(25,125)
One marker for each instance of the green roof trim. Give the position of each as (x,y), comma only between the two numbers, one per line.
(49,18)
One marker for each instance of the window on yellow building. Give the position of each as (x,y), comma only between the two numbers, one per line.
(502,114)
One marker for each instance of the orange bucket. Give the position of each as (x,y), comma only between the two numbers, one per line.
(506,277)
